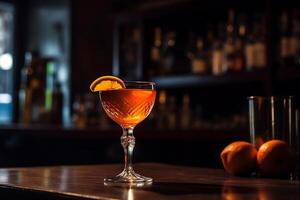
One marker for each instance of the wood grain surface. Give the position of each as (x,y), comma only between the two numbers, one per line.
(170,182)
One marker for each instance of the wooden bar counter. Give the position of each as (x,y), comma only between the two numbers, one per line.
(170,182)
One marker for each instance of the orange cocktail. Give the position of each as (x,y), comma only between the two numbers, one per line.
(127,103)
(128,107)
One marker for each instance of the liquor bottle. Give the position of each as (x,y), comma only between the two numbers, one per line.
(24,99)
(57,103)
(218,54)
(285,48)
(296,36)
(38,86)
(51,77)
(53,95)
(91,110)
(34,87)
(155,52)
(199,61)
(250,51)
(79,115)
(229,45)
(191,48)
(185,115)
(209,41)
(260,54)
(168,53)
(161,113)
(239,63)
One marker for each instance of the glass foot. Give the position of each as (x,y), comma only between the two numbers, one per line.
(128,178)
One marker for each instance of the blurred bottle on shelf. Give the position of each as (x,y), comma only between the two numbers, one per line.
(161,111)
(231,47)
(79,115)
(239,63)
(285,41)
(296,35)
(86,113)
(155,53)
(199,60)
(295,23)
(229,44)
(250,51)
(185,113)
(289,38)
(53,95)
(57,104)
(255,45)
(190,48)
(41,97)
(218,53)
(168,58)
(25,91)
(32,91)
(260,54)
(209,41)
(37,89)
(167,115)
(91,110)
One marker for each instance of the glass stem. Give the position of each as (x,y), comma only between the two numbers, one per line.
(128,143)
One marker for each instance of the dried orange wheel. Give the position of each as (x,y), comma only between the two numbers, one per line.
(106,83)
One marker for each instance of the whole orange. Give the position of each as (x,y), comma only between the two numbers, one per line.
(275,158)
(239,158)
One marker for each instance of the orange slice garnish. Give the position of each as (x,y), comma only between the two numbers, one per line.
(106,83)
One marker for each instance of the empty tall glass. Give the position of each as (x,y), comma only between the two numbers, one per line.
(274,118)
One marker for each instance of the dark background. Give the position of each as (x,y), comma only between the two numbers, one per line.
(93,37)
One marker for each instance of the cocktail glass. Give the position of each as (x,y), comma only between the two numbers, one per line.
(128,107)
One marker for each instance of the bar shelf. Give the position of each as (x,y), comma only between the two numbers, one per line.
(192,80)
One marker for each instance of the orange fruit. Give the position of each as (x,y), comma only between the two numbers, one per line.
(275,158)
(239,158)
(106,83)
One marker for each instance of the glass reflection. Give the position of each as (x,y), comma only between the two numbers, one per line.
(4,176)
(130,194)
(64,176)
(232,191)
(46,177)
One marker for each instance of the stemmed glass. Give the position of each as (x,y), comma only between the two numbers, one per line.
(128,107)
